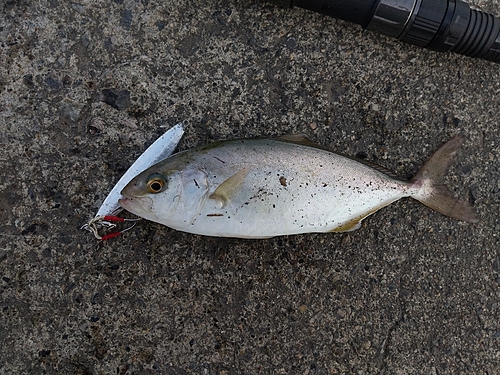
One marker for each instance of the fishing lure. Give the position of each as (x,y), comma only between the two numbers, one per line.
(106,217)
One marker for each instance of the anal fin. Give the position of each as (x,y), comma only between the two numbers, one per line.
(355,223)
(349,226)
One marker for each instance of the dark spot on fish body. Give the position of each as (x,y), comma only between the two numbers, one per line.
(215,215)
(222,161)
(283,181)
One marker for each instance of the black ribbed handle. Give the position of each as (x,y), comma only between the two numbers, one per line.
(440,25)
(449,25)
(482,38)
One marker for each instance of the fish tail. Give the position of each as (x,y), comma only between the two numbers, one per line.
(430,189)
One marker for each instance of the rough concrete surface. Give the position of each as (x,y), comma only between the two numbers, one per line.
(85,86)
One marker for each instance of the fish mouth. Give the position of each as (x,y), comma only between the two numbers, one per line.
(140,206)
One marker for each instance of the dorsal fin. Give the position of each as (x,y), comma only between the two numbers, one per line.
(299,138)
(229,187)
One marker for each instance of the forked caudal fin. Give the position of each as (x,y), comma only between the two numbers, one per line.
(431,189)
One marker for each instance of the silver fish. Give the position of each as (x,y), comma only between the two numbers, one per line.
(260,188)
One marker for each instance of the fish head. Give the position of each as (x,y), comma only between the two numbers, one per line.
(167,196)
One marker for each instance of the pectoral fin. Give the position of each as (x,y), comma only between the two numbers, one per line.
(230,187)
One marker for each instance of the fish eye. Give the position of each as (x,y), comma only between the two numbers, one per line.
(156,183)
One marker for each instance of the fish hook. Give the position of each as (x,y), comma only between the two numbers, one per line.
(107,222)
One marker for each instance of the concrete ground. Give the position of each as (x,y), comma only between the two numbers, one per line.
(85,86)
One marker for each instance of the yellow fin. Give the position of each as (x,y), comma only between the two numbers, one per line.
(300,139)
(349,226)
(356,222)
(229,188)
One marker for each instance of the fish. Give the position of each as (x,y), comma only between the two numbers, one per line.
(260,188)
